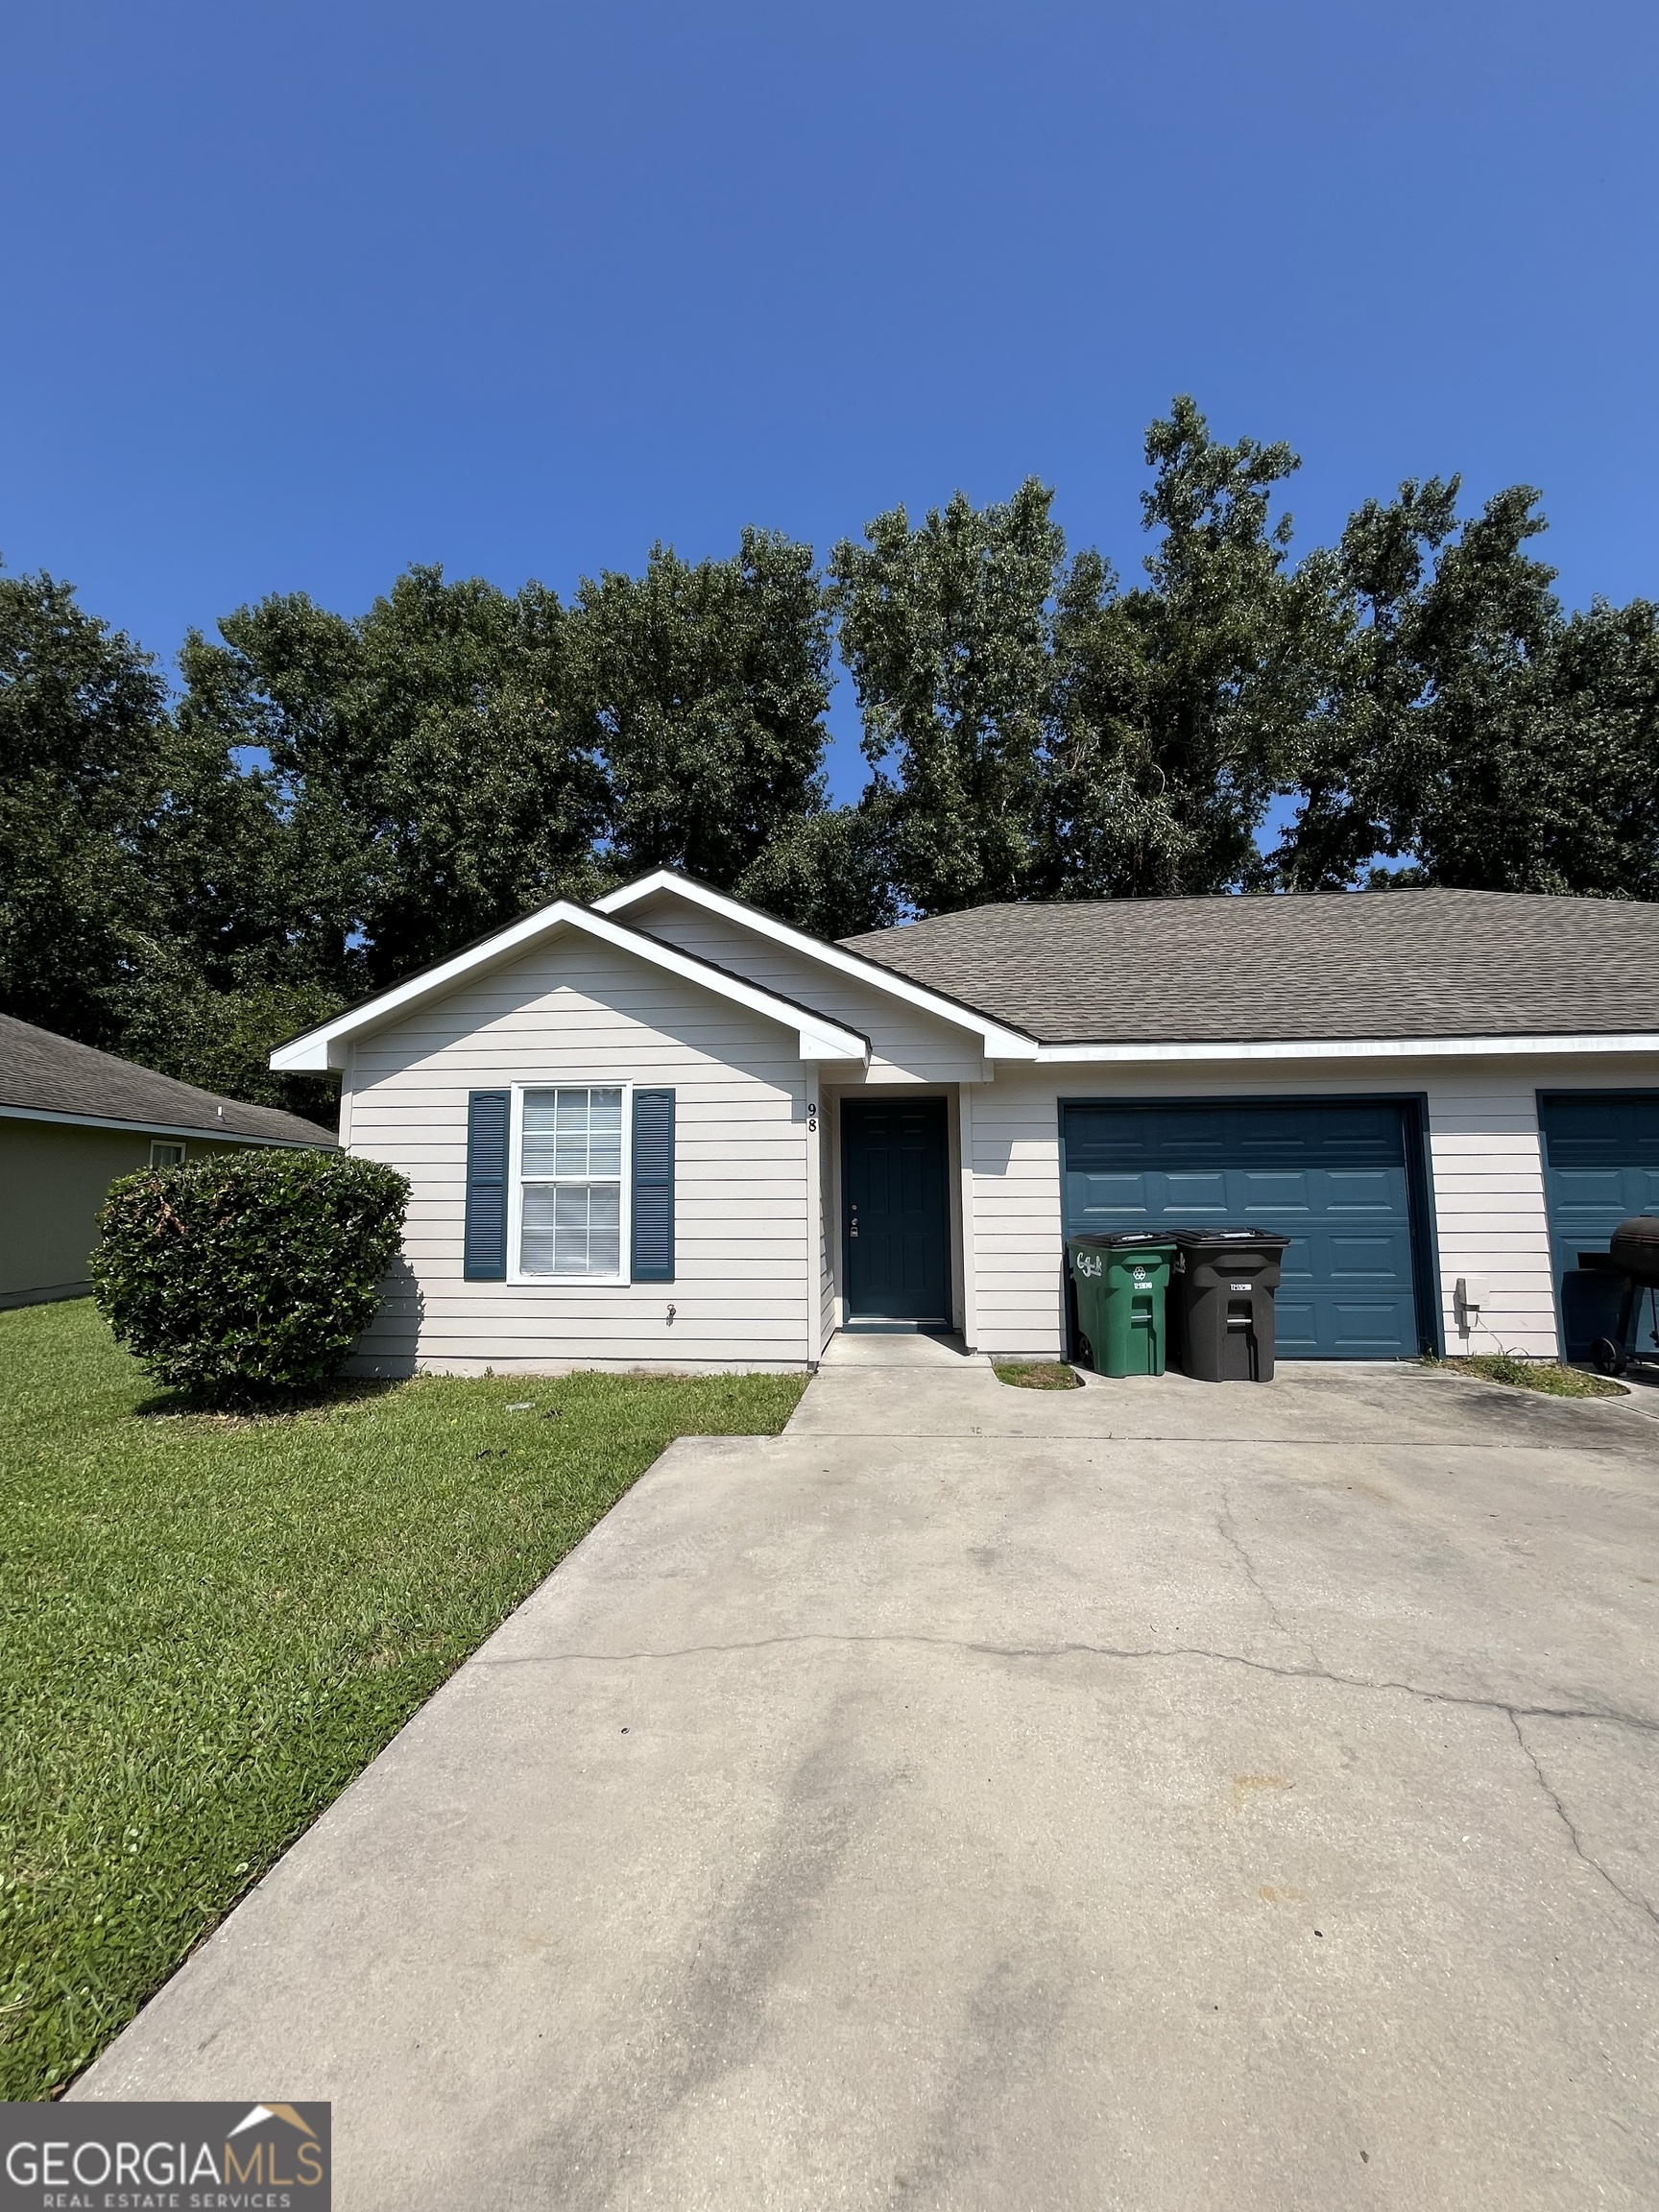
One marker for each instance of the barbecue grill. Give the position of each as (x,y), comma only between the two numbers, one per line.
(1633,1255)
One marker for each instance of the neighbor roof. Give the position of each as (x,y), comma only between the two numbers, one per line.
(1341,964)
(42,1073)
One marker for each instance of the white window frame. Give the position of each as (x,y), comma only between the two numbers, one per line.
(177,1153)
(515,1185)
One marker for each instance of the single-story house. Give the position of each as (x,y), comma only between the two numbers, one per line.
(71,1120)
(668,1130)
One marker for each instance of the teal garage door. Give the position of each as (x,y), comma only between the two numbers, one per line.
(1334,1177)
(1600,1165)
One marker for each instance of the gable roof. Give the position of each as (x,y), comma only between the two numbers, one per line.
(45,1077)
(1000,1036)
(326,1046)
(1430,964)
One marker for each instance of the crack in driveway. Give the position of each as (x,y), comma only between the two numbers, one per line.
(1636,1903)
(1076,1647)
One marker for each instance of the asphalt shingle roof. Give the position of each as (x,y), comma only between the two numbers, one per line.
(55,1076)
(1369,964)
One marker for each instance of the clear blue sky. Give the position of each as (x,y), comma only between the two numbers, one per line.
(297,294)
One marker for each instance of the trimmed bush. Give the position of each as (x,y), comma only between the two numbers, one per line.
(248,1276)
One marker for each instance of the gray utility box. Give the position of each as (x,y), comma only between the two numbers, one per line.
(1222,1293)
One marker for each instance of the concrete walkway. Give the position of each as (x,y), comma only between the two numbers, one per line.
(1148,1796)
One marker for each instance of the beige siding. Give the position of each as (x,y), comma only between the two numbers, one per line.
(1489,1213)
(906,1044)
(580,1012)
(1488,1184)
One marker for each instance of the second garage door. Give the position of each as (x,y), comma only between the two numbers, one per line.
(1336,1176)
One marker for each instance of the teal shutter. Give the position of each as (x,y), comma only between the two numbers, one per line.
(653,1187)
(485,1249)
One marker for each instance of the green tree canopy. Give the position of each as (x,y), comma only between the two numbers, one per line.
(703,687)
(947,630)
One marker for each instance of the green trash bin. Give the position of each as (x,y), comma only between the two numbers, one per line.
(1122,1279)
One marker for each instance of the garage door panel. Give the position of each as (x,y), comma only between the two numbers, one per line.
(1113,1196)
(1362,1258)
(1366,1332)
(1330,1174)
(1365,1191)
(1601,1164)
(1296,1329)
(1288,1193)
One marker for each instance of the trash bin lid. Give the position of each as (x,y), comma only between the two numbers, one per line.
(1264,1240)
(1119,1237)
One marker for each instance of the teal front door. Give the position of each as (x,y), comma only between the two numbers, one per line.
(896,1222)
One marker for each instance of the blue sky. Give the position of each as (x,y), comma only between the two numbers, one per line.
(295,295)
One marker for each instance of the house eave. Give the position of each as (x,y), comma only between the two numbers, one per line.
(1149,1053)
(329,1044)
(204,1133)
(998,1041)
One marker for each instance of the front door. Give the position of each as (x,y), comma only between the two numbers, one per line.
(895,1224)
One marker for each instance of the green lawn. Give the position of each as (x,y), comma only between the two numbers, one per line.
(209,1626)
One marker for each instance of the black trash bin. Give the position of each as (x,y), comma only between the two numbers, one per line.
(1222,1293)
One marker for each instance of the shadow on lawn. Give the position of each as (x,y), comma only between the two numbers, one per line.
(344,1394)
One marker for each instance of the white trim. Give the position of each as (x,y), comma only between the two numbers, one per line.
(811,1116)
(1353,1049)
(970,1256)
(327,1047)
(217,1134)
(1001,1043)
(515,1185)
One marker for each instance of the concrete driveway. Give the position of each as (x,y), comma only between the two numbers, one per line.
(1154,1796)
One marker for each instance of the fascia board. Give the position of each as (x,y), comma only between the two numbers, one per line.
(1350,1049)
(205,1132)
(328,1044)
(999,1042)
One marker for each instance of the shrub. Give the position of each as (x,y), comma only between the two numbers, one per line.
(247,1276)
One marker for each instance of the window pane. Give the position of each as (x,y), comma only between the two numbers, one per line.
(538,1110)
(586,1227)
(536,1235)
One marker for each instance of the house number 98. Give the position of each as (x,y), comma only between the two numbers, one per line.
(811,1116)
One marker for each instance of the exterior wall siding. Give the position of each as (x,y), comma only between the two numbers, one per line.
(1487,1165)
(53,1180)
(744,1229)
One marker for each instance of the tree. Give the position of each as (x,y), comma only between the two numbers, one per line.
(829,873)
(428,779)
(946,629)
(1178,706)
(703,689)
(82,739)
(1471,729)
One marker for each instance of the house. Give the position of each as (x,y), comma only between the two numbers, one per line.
(668,1130)
(71,1120)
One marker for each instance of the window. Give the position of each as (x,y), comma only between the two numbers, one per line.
(165,1155)
(570,1183)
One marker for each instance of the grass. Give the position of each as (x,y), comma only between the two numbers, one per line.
(208,1626)
(1036,1375)
(1546,1374)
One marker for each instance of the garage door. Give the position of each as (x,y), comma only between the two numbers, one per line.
(1601,1164)
(1332,1176)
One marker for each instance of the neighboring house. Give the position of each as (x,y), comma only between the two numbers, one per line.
(667,1130)
(71,1120)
